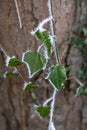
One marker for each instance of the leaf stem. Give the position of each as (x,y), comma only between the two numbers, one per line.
(47,101)
(40,47)
(77,80)
(20,74)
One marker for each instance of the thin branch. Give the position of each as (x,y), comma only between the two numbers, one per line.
(40,47)
(52,30)
(51,126)
(20,74)
(47,101)
(52,110)
(18,13)
(77,80)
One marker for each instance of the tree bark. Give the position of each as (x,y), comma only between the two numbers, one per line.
(16,112)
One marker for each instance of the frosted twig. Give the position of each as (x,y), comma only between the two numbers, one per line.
(52,110)
(40,47)
(52,30)
(18,12)
(52,126)
(77,80)
(6,55)
(41,24)
(47,101)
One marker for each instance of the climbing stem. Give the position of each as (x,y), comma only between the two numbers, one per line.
(57,61)
(52,109)
(52,28)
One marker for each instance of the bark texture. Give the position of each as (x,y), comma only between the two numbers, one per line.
(16,111)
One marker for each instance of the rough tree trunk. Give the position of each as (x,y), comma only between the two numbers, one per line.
(16,111)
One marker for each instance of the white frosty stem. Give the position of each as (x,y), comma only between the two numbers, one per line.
(51,15)
(18,12)
(52,110)
(52,126)
(40,26)
(47,101)
(52,29)
(25,84)
(6,55)
(40,47)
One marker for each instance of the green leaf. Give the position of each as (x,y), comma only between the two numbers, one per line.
(14,62)
(85,31)
(68,68)
(42,111)
(74,40)
(85,41)
(44,37)
(80,73)
(57,75)
(81,91)
(29,86)
(9,73)
(35,62)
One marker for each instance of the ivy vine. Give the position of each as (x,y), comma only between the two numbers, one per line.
(37,61)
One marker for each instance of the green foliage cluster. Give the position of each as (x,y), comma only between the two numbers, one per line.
(37,61)
(80,40)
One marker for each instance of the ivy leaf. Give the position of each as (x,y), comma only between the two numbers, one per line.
(80,73)
(9,73)
(81,91)
(35,62)
(29,86)
(85,31)
(85,41)
(57,75)
(42,111)
(44,37)
(14,62)
(75,40)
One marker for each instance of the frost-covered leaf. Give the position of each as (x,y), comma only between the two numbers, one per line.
(45,38)
(57,75)
(14,62)
(9,73)
(29,86)
(35,62)
(81,91)
(42,111)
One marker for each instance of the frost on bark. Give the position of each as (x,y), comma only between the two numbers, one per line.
(16,111)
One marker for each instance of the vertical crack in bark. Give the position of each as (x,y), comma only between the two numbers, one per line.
(35,19)
(11,102)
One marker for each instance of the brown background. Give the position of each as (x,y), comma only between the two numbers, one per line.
(16,111)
